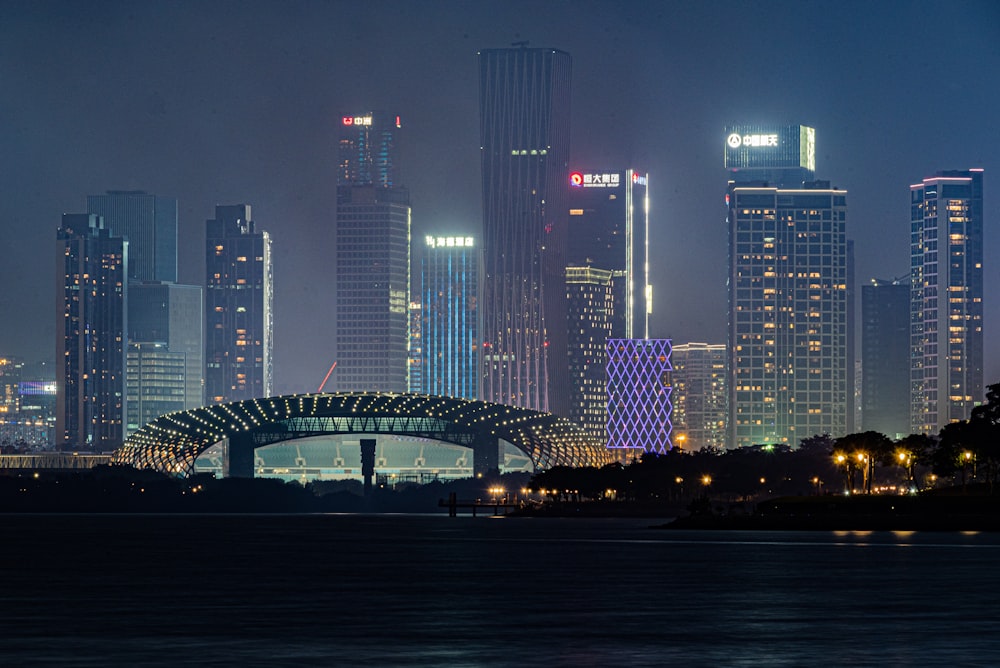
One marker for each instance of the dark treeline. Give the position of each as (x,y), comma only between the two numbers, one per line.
(121,489)
(964,452)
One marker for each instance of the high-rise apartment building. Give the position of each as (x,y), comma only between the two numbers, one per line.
(699,396)
(885,357)
(524,105)
(449,360)
(946,305)
(789,372)
(788,317)
(415,379)
(149,224)
(238,307)
(91,325)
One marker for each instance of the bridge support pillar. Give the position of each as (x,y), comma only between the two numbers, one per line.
(368,463)
(485,455)
(239,455)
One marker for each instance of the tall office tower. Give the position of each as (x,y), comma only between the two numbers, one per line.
(450,328)
(367,152)
(149,223)
(788,318)
(91,324)
(609,229)
(171,316)
(699,396)
(885,357)
(373,288)
(373,258)
(524,103)
(238,307)
(946,303)
(639,402)
(415,377)
(590,306)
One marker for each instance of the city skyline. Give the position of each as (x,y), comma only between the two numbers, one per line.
(225,121)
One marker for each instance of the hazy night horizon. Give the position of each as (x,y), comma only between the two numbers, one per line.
(224,103)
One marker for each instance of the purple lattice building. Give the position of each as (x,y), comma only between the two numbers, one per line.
(639,405)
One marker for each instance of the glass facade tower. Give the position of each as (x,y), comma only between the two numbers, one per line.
(238,307)
(524,105)
(373,289)
(946,300)
(149,223)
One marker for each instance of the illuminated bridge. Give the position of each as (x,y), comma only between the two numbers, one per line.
(172,443)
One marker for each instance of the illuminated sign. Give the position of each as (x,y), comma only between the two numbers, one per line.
(736,140)
(449,242)
(361,120)
(578,180)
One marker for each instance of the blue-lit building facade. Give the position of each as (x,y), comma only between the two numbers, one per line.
(91,325)
(524,105)
(238,307)
(946,302)
(449,328)
(638,399)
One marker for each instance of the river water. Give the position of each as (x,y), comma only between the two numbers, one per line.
(403,590)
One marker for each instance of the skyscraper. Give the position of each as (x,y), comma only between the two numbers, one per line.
(524,103)
(373,288)
(372,258)
(788,320)
(946,304)
(590,307)
(91,325)
(238,307)
(149,223)
(698,380)
(885,357)
(450,317)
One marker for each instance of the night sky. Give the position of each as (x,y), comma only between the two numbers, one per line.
(238,102)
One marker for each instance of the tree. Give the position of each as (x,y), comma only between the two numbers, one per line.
(863,450)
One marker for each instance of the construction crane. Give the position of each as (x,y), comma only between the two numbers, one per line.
(327,377)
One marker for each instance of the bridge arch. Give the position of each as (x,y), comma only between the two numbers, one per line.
(173,442)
